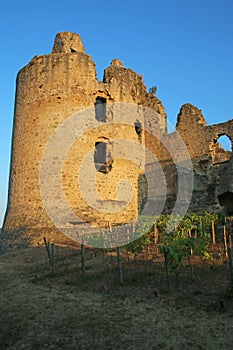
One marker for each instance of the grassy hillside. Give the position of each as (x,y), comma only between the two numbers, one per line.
(64,310)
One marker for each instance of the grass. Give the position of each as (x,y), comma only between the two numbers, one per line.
(64,310)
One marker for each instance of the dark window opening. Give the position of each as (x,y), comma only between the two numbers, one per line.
(100,109)
(138,128)
(102,159)
(226,200)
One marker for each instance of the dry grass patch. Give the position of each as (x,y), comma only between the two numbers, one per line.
(65,310)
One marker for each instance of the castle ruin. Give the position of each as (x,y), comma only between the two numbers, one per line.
(53,87)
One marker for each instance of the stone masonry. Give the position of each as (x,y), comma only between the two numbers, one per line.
(53,87)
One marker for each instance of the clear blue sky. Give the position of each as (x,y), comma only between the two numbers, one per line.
(184,47)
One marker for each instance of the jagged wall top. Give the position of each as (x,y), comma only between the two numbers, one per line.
(190,114)
(67,42)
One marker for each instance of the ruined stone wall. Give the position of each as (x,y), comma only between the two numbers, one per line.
(53,88)
(199,137)
(210,161)
(211,164)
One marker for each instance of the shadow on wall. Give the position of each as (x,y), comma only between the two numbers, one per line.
(226,200)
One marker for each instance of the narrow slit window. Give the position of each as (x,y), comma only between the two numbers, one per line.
(138,128)
(100,156)
(100,109)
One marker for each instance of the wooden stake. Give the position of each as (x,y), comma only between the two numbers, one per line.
(134,226)
(213,232)
(52,257)
(195,234)
(128,237)
(145,266)
(119,265)
(190,235)
(156,236)
(47,246)
(230,266)
(110,238)
(83,256)
(225,240)
(166,266)
(112,263)
(129,268)
(200,225)
(230,240)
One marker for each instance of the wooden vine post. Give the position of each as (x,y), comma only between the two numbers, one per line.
(166,265)
(110,233)
(230,267)
(83,256)
(47,246)
(213,232)
(225,240)
(129,268)
(52,257)
(119,265)
(230,240)
(156,234)
(190,236)
(200,222)
(50,248)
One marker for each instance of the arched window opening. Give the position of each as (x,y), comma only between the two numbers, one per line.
(224,142)
(100,109)
(222,149)
(102,157)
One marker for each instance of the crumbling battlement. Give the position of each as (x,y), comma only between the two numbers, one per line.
(199,137)
(212,164)
(68,42)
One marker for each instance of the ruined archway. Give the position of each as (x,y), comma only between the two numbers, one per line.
(221,148)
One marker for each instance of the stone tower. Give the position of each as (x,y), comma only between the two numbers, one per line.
(76,138)
(50,89)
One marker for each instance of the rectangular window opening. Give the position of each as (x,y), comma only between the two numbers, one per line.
(100,109)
